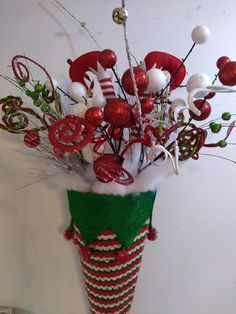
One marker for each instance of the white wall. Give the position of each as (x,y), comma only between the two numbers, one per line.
(191,268)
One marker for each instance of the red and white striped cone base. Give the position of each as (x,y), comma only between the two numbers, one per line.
(110,273)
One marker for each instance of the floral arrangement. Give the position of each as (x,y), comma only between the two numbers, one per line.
(120,129)
(110,135)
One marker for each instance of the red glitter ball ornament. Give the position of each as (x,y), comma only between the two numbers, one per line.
(147,105)
(94,115)
(227,74)
(117,112)
(32,139)
(107,59)
(115,132)
(222,61)
(204,107)
(141,79)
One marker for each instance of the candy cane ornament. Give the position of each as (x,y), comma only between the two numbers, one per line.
(105,80)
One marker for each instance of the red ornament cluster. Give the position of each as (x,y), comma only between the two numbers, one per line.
(105,132)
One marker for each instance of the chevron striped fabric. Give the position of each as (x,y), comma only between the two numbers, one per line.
(110,273)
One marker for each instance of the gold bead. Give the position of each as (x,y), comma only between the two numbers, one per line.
(120,15)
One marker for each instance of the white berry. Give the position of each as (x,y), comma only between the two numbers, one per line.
(77,91)
(200,34)
(157,80)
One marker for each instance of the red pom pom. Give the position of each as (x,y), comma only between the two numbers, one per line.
(75,241)
(68,234)
(122,256)
(152,234)
(85,252)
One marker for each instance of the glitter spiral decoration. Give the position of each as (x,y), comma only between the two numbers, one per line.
(190,142)
(70,134)
(108,168)
(16,118)
(21,71)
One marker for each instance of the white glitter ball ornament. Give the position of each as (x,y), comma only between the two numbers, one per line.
(99,101)
(157,80)
(198,80)
(77,91)
(200,34)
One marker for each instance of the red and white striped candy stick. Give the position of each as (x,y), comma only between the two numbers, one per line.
(105,80)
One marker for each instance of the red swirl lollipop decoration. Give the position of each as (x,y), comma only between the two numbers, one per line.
(70,134)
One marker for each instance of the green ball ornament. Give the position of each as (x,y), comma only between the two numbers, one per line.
(37,102)
(28,93)
(222,143)
(38,87)
(226,116)
(212,124)
(216,128)
(45,108)
(34,95)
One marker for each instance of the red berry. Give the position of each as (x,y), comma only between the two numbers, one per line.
(107,59)
(222,61)
(32,139)
(117,112)
(94,115)
(204,107)
(141,79)
(227,74)
(147,105)
(115,132)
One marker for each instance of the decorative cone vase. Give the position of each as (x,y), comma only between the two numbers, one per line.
(110,231)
